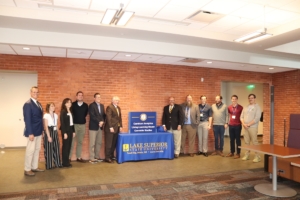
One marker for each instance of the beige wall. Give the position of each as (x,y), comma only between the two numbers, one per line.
(241,90)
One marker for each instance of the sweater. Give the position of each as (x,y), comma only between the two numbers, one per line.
(220,114)
(79,112)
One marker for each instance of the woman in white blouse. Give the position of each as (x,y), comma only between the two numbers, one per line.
(67,130)
(51,141)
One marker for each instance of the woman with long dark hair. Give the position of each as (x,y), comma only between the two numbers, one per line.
(67,130)
(51,141)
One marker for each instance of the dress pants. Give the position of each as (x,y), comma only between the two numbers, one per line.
(190,132)
(66,147)
(95,143)
(80,131)
(51,149)
(110,144)
(235,137)
(219,131)
(250,135)
(32,153)
(203,136)
(177,140)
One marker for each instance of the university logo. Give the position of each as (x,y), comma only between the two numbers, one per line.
(143,117)
(125,147)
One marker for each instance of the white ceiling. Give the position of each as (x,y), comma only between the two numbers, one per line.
(71,28)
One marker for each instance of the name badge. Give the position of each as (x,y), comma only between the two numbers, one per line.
(201,114)
(54,128)
(233,116)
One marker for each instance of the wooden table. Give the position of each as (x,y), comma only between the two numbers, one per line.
(276,151)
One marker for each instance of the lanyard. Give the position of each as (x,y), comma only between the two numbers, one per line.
(234,109)
(201,110)
(53,119)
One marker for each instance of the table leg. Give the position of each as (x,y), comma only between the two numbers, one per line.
(274,180)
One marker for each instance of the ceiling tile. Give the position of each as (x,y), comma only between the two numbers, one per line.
(78,53)
(270,3)
(215,28)
(123,57)
(53,52)
(147,58)
(281,16)
(7,3)
(230,21)
(190,3)
(252,11)
(168,60)
(175,13)
(34,51)
(293,6)
(146,8)
(223,7)
(102,5)
(26,4)
(6,49)
(103,55)
(82,4)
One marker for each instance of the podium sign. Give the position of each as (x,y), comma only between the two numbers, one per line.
(142,122)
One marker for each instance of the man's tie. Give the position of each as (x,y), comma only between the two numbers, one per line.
(39,105)
(118,111)
(170,109)
(187,114)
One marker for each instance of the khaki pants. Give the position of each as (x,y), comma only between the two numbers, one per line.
(32,153)
(95,143)
(190,132)
(80,131)
(250,135)
(203,136)
(177,140)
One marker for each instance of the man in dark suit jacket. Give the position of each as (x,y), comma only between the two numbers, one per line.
(113,126)
(33,118)
(97,118)
(191,121)
(172,121)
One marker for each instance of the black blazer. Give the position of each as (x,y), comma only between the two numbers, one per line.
(65,123)
(95,116)
(173,119)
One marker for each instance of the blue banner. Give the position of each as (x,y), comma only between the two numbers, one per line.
(142,122)
(145,146)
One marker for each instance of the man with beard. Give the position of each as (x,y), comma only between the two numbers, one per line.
(191,121)
(220,123)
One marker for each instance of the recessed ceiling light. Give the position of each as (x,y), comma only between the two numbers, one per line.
(26,48)
(127,55)
(209,62)
(271,67)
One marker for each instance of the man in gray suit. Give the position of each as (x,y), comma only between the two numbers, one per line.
(191,121)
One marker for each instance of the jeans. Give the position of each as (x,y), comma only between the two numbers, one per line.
(235,136)
(219,131)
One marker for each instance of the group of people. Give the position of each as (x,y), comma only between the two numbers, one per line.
(72,127)
(189,119)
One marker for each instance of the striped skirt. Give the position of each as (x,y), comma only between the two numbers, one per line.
(51,150)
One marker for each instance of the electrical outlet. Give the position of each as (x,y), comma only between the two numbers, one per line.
(281,171)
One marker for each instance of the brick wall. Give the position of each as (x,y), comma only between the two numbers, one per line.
(286,101)
(140,86)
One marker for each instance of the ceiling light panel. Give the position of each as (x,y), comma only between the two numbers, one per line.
(102,5)
(281,16)
(103,55)
(147,58)
(224,7)
(123,57)
(53,52)
(252,11)
(125,17)
(146,8)
(26,4)
(82,4)
(176,13)
(7,3)
(34,51)
(6,49)
(78,53)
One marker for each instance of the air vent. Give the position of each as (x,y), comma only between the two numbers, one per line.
(205,16)
(191,60)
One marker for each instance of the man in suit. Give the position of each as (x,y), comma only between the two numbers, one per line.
(97,118)
(113,126)
(191,121)
(172,121)
(33,118)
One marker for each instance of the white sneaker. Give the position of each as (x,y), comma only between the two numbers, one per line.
(256,159)
(246,157)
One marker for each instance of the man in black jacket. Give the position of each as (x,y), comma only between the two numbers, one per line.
(80,110)
(97,118)
(172,121)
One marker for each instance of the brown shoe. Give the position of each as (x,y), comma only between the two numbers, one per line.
(221,153)
(29,173)
(237,156)
(230,155)
(214,153)
(191,154)
(81,160)
(37,170)
(176,155)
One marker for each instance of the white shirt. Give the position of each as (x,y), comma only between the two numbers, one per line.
(71,119)
(51,121)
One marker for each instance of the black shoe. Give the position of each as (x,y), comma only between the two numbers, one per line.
(199,153)
(67,166)
(205,154)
